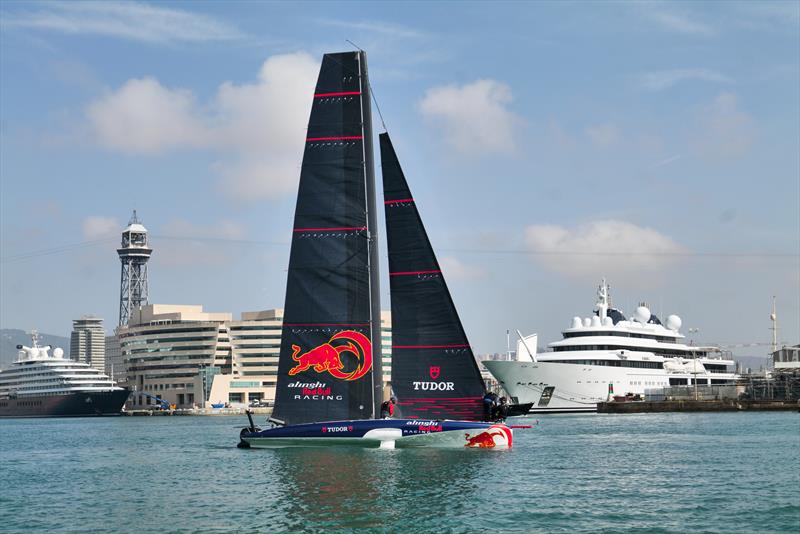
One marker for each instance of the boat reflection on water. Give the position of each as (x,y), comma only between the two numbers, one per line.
(356,488)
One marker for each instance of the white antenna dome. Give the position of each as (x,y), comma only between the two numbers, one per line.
(642,314)
(58,352)
(587,321)
(674,322)
(595,320)
(608,321)
(576,322)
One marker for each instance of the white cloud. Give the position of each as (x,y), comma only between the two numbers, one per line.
(258,127)
(602,247)
(272,113)
(145,117)
(126,20)
(474,117)
(725,130)
(603,135)
(664,79)
(99,227)
(455,269)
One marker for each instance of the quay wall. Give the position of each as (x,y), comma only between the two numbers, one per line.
(682,405)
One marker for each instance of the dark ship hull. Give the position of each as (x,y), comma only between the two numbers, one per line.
(71,405)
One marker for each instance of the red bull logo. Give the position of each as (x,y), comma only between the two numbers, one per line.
(494,436)
(327,358)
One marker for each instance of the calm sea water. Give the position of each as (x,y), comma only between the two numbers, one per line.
(732,472)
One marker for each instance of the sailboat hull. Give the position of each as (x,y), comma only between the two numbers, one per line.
(385,433)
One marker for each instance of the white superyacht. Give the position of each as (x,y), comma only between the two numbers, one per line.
(608,355)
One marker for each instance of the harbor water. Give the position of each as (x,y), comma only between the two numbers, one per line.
(667,472)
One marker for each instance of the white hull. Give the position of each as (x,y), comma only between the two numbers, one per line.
(567,387)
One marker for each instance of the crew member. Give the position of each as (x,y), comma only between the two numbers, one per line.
(488,406)
(502,410)
(387,408)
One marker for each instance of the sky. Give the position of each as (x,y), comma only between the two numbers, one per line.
(548,145)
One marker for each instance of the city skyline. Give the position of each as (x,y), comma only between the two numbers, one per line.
(545,155)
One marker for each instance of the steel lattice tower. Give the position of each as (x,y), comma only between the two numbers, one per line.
(133,254)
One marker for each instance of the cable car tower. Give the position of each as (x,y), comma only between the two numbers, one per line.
(133,254)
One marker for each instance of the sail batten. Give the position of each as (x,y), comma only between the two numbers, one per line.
(330,345)
(434,373)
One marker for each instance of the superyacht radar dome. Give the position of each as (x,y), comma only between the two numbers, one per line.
(642,314)
(674,322)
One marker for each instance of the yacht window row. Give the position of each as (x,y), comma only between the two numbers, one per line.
(671,353)
(614,363)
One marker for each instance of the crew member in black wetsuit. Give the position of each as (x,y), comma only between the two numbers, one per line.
(502,410)
(489,402)
(387,408)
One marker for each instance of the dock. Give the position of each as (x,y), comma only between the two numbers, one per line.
(685,405)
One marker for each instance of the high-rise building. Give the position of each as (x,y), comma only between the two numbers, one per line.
(133,254)
(88,342)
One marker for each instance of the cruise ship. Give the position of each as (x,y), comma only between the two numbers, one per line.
(40,385)
(608,355)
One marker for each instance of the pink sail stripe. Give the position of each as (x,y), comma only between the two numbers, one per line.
(335,138)
(406,273)
(336,229)
(402,200)
(340,93)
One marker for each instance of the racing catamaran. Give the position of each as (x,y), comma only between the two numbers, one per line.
(329,381)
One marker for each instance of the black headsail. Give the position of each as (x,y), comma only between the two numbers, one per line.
(330,343)
(434,373)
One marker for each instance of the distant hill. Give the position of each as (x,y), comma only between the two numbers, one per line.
(10,338)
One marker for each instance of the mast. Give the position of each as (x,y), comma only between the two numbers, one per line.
(774,318)
(372,235)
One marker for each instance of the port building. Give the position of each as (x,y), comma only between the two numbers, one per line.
(87,342)
(183,355)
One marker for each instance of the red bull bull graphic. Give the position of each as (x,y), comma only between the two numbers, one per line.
(327,358)
(494,436)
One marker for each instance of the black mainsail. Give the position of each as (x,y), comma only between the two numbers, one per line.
(330,342)
(434,373)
